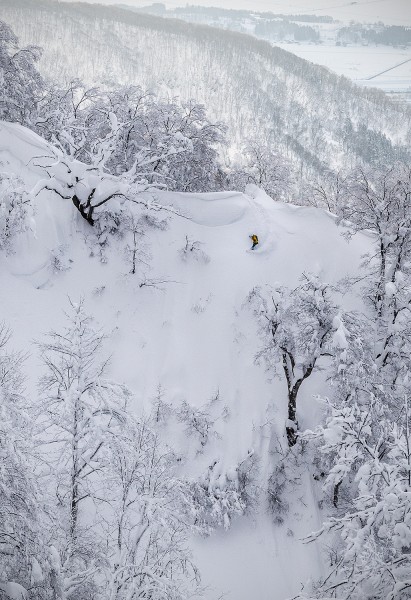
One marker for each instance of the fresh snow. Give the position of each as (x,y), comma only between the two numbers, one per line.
(188,330)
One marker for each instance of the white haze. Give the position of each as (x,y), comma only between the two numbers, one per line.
(391,12)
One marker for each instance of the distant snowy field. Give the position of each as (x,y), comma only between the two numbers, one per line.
(381,67)
(356,62)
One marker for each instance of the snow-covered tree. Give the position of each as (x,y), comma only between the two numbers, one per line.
(21,86)
(264,167)
(148,530)
(125,125)
(128,138)
(364,448)
(62,114)
(328,190)
(23,556)
(77,408)
(198,168)
(200,421)
(297,328)
(380,202)
(364,443)
(135,250)
(92,190)
(373,533)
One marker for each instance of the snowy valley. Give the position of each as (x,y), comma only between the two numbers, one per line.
(360,45)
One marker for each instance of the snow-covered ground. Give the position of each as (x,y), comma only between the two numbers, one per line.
(355,62)
(189,331)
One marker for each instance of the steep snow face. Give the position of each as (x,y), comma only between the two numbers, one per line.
(182,323)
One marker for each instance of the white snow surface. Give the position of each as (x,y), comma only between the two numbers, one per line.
(192,335)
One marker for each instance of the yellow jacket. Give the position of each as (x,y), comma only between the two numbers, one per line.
(254,238)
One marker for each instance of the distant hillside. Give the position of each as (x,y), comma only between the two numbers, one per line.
(310,115)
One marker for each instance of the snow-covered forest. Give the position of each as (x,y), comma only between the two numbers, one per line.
(183,416)
(306,114)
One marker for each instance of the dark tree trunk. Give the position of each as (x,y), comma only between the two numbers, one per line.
(73,509)
(292,425)
(85,211)
(336,493)
(291,435)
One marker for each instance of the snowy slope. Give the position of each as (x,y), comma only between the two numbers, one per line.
(189,332)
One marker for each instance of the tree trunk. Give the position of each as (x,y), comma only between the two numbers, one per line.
(336,493)
(86,212)
(292,425)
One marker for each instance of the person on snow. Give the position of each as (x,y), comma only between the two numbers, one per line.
(254,239)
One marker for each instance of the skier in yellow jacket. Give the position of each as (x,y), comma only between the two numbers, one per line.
(254,239)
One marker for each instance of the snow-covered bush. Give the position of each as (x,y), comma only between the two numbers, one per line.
(15,210)
(59,261)
(192,251)
(198,422)
(221,496)
(201,305)
(284,486)
(276,493)
(150,221)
